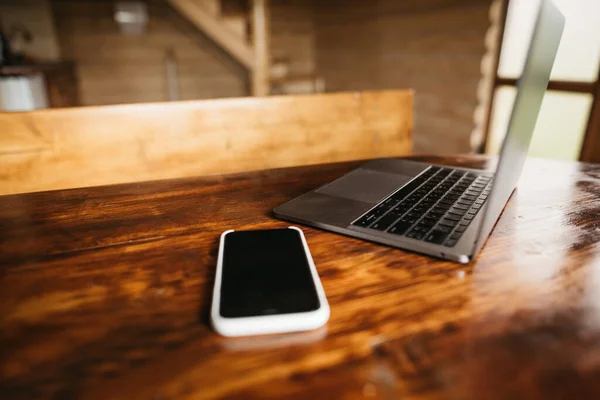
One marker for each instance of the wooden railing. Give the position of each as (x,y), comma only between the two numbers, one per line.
(90,146)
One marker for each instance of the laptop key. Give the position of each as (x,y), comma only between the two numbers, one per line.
(456,235)
(416,235)
(458,211)
(406,190)
(385,222)
(421,228)
(454,217)
(399,228)
(451,243)
(443,228)
(400,210)
(448,222)
(365,220)
(390,202)
(428,222)
(436,236)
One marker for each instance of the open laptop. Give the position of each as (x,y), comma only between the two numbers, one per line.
(437,210)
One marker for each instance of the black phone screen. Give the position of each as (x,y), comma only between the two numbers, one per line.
(266,272)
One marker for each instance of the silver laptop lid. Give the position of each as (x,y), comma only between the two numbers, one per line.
(531,89)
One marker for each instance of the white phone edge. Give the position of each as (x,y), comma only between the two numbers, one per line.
(268,324)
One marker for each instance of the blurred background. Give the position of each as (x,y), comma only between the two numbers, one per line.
(462,57)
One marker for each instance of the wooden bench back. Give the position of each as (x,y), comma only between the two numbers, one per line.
(89,146)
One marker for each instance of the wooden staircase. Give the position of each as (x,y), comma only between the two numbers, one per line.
(239,27)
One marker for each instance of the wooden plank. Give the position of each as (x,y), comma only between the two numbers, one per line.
(116,144)
(261,39)
(216,31)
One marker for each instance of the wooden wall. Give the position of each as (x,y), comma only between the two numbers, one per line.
(432,46)
(293,34)
(114,68)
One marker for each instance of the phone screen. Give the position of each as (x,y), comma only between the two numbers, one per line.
(266,272)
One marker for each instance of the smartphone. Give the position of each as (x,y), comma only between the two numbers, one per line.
(266,282)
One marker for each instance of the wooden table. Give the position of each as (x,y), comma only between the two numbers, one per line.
(105,293)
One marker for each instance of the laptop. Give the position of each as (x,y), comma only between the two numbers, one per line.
(437,210)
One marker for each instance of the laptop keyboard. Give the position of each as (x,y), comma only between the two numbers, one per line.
(436,207)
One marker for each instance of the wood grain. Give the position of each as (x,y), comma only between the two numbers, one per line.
(66,148)
(105,294)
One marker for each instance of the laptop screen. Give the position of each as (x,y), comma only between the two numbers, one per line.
(531,89)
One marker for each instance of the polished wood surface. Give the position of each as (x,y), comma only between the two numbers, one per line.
(105,292)
(67,148)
